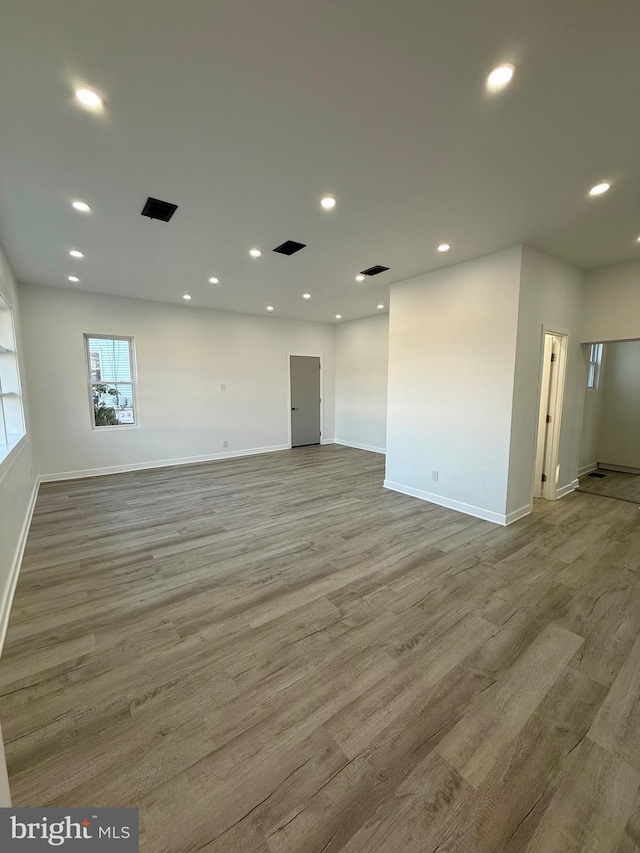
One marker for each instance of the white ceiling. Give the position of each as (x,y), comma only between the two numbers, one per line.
(244,112)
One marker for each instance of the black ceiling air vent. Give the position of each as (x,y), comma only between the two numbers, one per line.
(156,209)
(290,247)
(374,270)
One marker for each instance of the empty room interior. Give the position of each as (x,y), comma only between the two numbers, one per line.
(320,425)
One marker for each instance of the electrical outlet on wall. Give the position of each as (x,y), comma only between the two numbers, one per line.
(225,443)
(223,386)
(434,475)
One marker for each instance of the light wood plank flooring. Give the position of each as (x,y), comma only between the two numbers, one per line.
(274,654)
(615,484)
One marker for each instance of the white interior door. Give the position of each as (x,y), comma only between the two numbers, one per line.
(305,400)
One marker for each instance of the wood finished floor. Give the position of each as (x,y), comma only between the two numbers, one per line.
(274,654)
(615,484)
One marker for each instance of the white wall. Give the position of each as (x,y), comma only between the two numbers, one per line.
(17,481)
(183,354)
(619,434)
(362,356)
(612,303)
(452,345)
(551,299)
(591,417)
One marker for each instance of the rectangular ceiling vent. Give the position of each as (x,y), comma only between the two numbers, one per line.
(374,270)
(290,247)
(156,209)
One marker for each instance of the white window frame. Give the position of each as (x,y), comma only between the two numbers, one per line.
(133,383)
(595,363)
(11,352)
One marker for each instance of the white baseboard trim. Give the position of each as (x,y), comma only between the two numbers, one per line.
(327,441)
(587,469)
(564,490)
(623,469)
(467,509)
(358,446)
(517,514)
(12,580)
(159,463)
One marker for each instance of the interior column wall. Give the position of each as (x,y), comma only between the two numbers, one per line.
(551,300)
(452,347)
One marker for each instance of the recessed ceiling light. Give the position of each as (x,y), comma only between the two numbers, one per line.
(380,307)
(82,206)
(338,316)
(360,277)
(187,296)
(255,253)
(638,239)
(89,98)
(328,202)
(444,247)
(73,278)
(269,307)
(214,280)
(76,254)
(600,189)
(501,75)
(306,296)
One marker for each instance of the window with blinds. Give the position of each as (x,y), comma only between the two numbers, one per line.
(595,362)
(112,383)
(11,413)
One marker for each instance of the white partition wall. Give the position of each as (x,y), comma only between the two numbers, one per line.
(452,346)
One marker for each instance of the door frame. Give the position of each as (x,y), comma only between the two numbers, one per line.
(550,487)
(304,355)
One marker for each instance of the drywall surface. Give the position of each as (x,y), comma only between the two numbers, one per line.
(17,480)
(362,356)
(184,356)
(612,303)
(591,417)
(551,299)
(619,434)
(452,346)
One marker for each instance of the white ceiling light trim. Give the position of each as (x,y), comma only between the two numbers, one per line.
(500,76)
(89,98)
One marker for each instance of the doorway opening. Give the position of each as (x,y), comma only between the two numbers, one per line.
(550,415)
(609,463)
(305,400)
